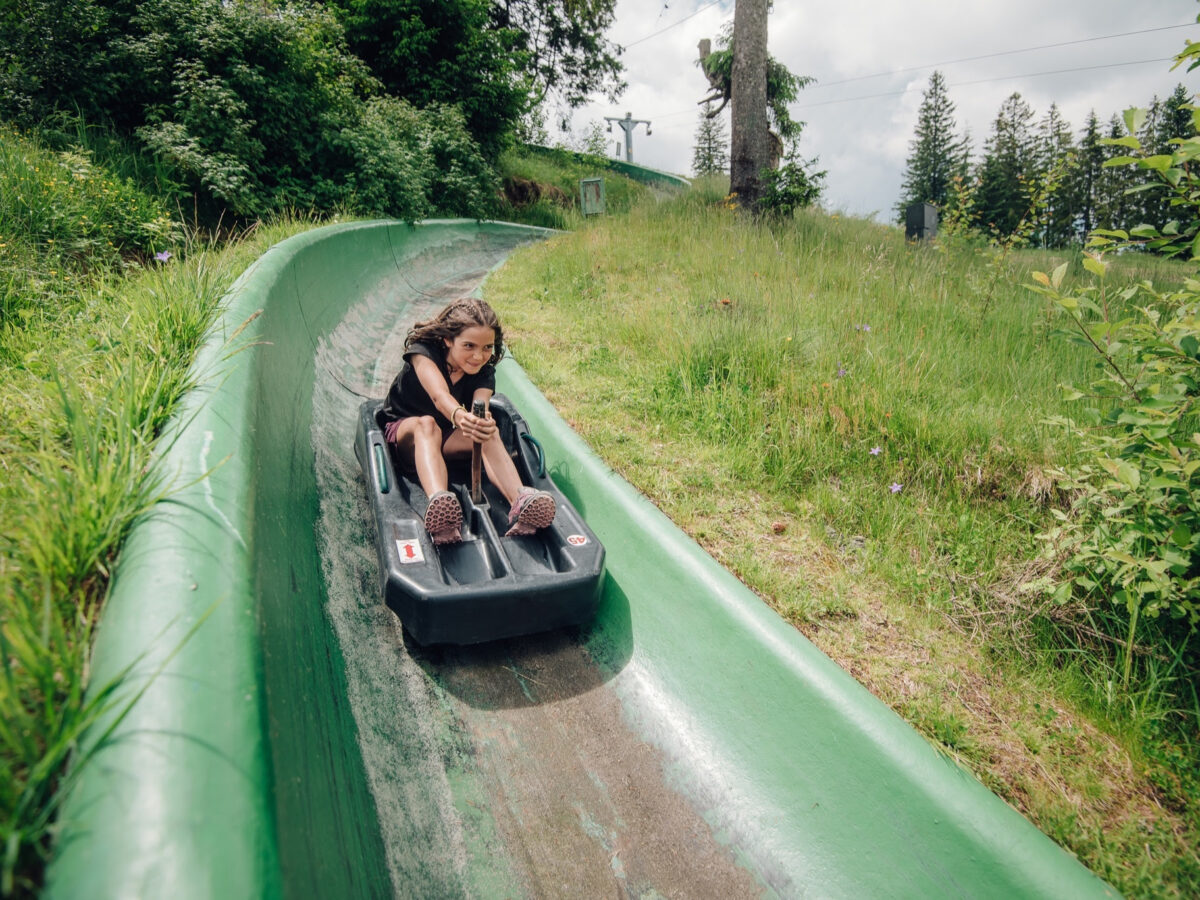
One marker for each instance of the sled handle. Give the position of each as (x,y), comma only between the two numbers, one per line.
(479,410)
(381,467)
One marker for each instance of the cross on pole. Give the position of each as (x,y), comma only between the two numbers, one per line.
(628,124)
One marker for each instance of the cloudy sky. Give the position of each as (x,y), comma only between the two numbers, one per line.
(872,60)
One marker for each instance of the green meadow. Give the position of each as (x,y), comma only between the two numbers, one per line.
(858,428)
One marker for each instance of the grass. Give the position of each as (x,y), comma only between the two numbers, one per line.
(563,169)
(96,339)
(855,427)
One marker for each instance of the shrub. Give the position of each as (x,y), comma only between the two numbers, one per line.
(1131,539)
(65,203)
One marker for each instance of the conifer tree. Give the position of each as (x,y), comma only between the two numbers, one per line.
(937,153)
(1055,147)
(1173,120)
(1087,178)
(1115,209)
(711,155)
(1008,164)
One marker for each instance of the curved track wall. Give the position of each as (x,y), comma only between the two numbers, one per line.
(289,744)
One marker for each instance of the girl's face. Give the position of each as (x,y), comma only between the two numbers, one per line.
(471,350)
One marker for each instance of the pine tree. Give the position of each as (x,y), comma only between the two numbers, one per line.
(711,156)
(1173,120)
(1054,147)
(1009,163)
(1177,120)
(937,154)
(1114,207)
(1087,177)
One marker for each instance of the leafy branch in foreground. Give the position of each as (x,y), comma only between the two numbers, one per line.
(1130,543)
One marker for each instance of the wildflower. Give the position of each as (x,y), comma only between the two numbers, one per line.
(875,451)
(789,337)
(896,487)
(841,371)
(866,328)
(163,255)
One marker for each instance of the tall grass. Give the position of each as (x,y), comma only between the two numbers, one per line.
(96,339)
(80,425)
(888,398)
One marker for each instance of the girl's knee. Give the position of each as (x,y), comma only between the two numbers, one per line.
(427,427)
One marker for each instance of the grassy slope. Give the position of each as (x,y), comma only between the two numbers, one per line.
(94,353)
(879,486)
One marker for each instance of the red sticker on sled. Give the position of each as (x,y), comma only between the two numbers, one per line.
(410,552)
(576,540)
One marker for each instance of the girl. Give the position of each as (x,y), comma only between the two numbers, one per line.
(449,364)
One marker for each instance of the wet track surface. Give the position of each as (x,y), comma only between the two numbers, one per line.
(500,770)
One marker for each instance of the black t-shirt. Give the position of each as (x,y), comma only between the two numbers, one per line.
(407,396)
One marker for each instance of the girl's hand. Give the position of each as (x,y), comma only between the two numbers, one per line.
(476,428)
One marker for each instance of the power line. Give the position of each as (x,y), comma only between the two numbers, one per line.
(949,62)
(1136,62)
(669,27)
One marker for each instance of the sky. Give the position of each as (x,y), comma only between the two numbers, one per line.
(872,60)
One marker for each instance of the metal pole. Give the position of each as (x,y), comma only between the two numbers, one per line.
(628,124)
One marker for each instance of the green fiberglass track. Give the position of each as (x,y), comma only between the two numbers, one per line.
(288,742)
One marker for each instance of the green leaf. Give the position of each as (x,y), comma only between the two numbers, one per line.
(1181,536)
(1056,276)
(1128,475)
(1157,163)
(1119,161)
(1134,120)
(1093,265)
(1144,230)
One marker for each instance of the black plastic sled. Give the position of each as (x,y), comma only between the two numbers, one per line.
(488,586)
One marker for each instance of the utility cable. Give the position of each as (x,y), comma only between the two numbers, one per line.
(949,62)
(669,27)
(1137,62)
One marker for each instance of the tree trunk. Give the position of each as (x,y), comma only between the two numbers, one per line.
(750,148)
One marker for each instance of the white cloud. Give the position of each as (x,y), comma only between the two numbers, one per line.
(861,138)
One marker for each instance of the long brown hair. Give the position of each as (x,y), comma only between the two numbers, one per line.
(466,312)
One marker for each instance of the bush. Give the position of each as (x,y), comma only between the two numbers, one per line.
(64,203)
(1131,539)
(254,109)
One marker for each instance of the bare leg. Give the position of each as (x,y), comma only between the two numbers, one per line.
(420,439)
(501,470)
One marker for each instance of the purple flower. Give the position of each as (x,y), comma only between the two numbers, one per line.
(866,328)
(163,255)
(896,487)
(875,451)
(841,372)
